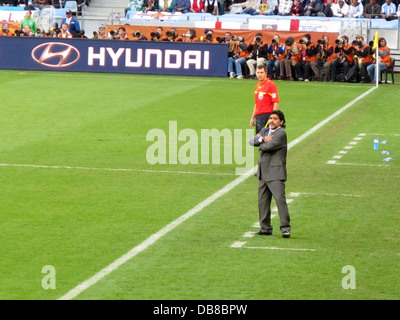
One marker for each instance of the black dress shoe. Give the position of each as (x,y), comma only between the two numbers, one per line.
(263,233)
(286,234)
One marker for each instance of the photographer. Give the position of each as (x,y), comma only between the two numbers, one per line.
(343,58)
(100,34)
(208,36)
(138,36)
(362,59)
(64,32)
(239,58)
(190,36)
(324,59)
(122,35)
(275,54)
(155,36)
(5,31)
(171,36)
(307,55)
(258,54)
(292,57)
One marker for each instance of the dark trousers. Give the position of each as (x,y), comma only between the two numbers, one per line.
(267,190)
(261,121)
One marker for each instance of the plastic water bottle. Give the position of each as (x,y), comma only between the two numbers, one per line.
(376,143)
(384,142)
(387,159)
(386,152)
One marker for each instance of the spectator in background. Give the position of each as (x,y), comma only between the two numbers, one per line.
(340,9)
(251,7)
(242,6)
(372,10)
(211,6)
(28,20)
(151,5)
(73,24)
(313,8)
(182,6)
(12,3)
(356,9)
(388,10)
(197,6)
(284,7)
(268,7)
(327,9)
(297,9)
(5,31)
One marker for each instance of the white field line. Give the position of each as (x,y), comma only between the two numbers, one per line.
(171,226)
(113,169)
(276,248)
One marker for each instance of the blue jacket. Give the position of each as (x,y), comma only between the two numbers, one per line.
(73,26)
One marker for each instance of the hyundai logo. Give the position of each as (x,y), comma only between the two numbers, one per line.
(55,54)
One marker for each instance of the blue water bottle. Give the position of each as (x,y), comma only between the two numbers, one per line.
(376,143)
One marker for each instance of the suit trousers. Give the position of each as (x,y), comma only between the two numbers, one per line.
(267,190)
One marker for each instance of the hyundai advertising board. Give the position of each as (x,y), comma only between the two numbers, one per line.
(114,56)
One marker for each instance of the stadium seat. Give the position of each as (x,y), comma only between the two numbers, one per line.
(390,70)
(71,5)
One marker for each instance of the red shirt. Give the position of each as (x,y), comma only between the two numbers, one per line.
(266,94)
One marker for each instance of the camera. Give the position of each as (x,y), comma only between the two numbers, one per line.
(338,41)
(258,39)
(302,41)
(209,37)
(186,35)
(137,34)
(273,41)
(357,43)
(170,34)
(114,33)
(288,54)
(321,42)
(155,35)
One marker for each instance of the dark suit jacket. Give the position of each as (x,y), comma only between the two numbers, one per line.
(272,156)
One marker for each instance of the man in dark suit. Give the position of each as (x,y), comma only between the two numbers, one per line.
(271,173)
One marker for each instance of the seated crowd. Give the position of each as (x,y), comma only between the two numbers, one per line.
(376,9)
(39,4)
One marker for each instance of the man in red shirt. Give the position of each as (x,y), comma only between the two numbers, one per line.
(266,99)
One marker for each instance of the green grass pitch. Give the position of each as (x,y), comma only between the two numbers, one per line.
(64,204)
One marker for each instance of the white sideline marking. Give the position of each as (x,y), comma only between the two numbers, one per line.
(171,226)
(360,164)
(275,248)
(113,169)
(238,244)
